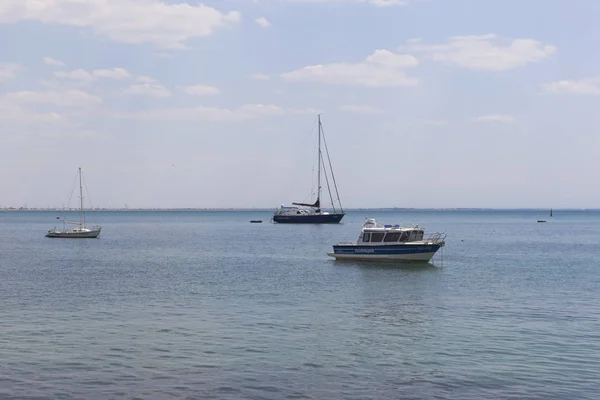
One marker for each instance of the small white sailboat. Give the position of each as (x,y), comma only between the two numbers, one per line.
(80,231)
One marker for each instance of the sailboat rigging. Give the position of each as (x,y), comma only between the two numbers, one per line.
(80,231)
(314,214)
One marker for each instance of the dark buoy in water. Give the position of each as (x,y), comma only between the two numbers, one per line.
(255,221)
(541,220)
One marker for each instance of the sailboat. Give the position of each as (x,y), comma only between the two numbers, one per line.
(80,231)
(313,214)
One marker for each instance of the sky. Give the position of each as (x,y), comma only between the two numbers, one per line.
(213,104)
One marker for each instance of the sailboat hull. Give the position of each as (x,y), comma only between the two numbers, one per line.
(309,219)
(88,234)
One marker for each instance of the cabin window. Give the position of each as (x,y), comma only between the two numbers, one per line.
(404,236)
(392,237)
(419,235)
(413,235)
(377,236)
(366,237)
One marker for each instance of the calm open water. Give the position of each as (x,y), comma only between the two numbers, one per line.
(205,305)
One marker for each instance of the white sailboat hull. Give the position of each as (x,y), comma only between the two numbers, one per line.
(75,234)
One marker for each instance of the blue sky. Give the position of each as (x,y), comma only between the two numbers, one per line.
(425,103)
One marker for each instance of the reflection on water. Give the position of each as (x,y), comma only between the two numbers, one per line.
(400,265)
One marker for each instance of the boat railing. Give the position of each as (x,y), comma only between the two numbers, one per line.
(432,238)
(372,224)
(436,238)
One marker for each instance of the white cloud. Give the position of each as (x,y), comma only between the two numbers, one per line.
(359,109)
(202,113)
(78,75)
(262,22)
(148,89)
(377,3)
(260,77)
(85,76)
(414,40)
(12,113)
(382,68)
(54,62)
(505,118)
(127,21)
(9,71)
(145,79)
(65,98)
(201,90)
(484,52)
(583,86)
(115,73)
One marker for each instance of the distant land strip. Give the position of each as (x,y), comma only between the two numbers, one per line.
(272,208)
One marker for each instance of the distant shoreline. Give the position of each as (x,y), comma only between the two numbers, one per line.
(8,209)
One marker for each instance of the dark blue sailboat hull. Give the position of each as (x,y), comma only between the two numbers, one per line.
(309,219)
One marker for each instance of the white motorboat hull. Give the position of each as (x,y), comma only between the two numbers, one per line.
(410,251)
(422,257)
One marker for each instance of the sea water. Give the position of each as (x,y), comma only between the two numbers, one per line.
(205,305)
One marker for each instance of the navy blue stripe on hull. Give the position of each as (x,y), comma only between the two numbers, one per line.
(308,219)
(387,250)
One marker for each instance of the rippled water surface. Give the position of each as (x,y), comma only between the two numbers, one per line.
(205,305)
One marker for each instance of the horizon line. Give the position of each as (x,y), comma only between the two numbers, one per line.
(271,208)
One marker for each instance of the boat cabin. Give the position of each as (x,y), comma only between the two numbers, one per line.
(391,235)
(374,233)
(291,210)
(294,210)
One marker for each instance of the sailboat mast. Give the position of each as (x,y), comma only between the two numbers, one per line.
(332,177)
(81,213)
(319,163)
